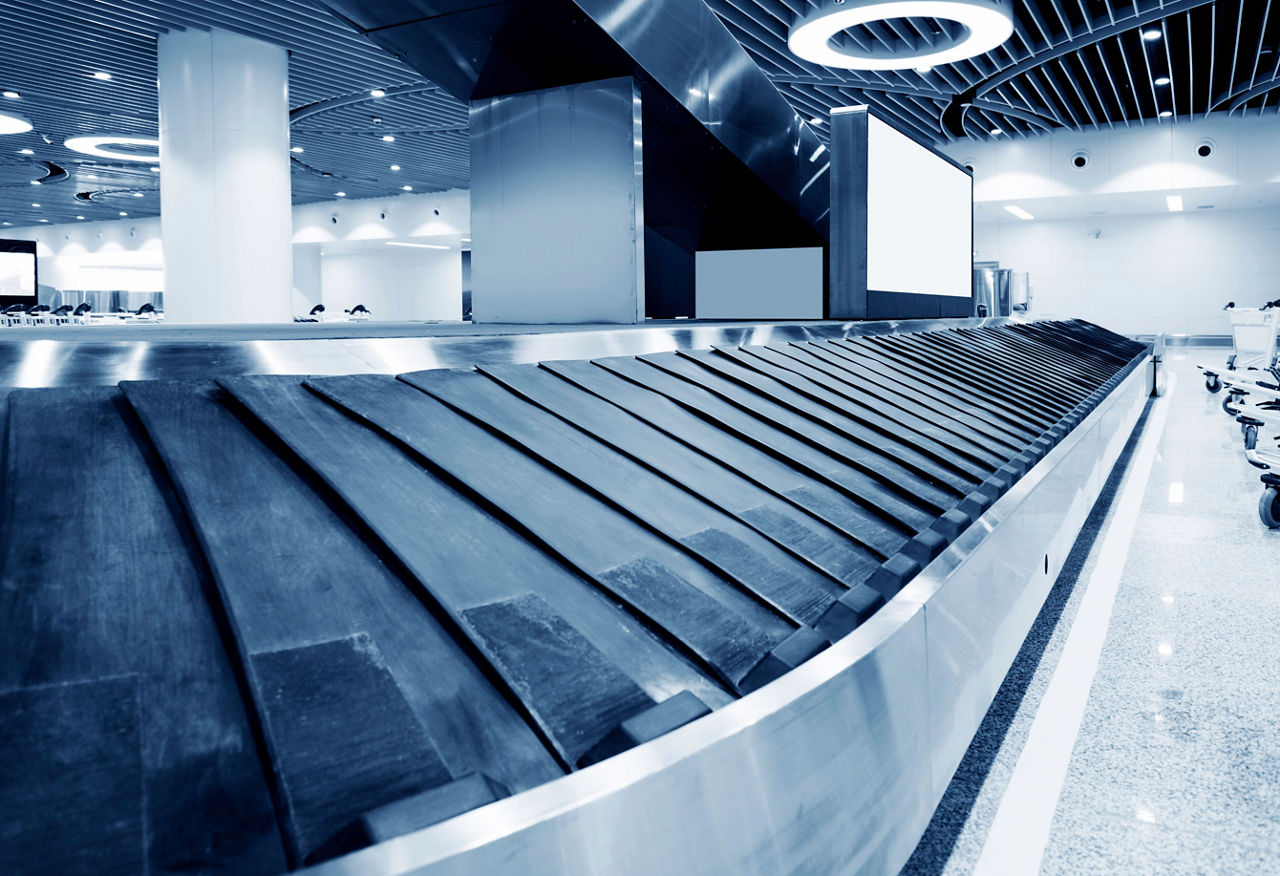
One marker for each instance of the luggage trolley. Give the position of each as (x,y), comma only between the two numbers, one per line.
(1253,337)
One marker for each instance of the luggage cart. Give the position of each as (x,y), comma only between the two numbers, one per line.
(1269,501)
(1253,337)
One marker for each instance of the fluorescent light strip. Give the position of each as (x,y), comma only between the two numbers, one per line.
(1018,211)
(418,245)
(1175,203)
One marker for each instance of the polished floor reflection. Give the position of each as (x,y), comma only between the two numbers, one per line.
(1175,767)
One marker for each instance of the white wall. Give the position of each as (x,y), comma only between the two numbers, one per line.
(1104,245)
(1168,272)
(406,282)
(395,283)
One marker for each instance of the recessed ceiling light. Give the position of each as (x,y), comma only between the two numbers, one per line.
(123,213)
(377,92)
(1150,35)
(996,132)
(137,194)
(1019,212)
(12,123)
(93,146)
(984,24)
(1162,80)
(12,95)
(79,217)
(26,152)
(1174,202)
(44,220)
(395,167)
(407,188)
(295,149)
(103,76)
(8,223)
(815,121)
(340,194)
(1164,114)
(35,182)
(387,138)
(35,205)
(155,170)
(924,69)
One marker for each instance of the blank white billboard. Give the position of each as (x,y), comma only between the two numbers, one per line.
(17,273)
(758,283)
(919,218)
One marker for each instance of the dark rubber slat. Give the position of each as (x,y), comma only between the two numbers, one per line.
(71,784)
(553,510)
(684,467)
(258,520)
(122,592)
(809,421)
(785,390)
(889,385)
(919,418)
(895,424)
(803,469)
(802,593)
(933,356)
(343,737)
(582,696)
(780,438)
(463,555)
(963,398)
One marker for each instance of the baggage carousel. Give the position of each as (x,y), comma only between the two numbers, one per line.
(707,601)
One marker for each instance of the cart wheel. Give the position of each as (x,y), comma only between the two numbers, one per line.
(1212,383)
(1269,508)
(1250,437)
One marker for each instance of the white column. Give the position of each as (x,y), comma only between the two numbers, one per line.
(224,178)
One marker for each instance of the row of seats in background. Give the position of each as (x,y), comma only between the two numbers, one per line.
(359,313)
(18,315)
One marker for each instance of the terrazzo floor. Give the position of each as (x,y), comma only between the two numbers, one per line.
(1176,765)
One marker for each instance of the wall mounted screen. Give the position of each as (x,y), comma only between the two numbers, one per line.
(17,272)
(919,218)
(759,283)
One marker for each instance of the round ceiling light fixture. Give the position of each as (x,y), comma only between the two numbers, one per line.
(94,146)
(12,123)
(983,25)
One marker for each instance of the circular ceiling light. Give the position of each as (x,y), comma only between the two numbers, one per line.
(12,123)
(93,146)
(984,24)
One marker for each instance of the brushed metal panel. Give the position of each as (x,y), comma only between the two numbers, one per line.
(90,357)
(847,298)
(736,792)
(983,593)
(557,206)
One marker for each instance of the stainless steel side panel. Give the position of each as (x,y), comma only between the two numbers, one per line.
(557,205)
(984,592)
(837,766)
(88,357)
